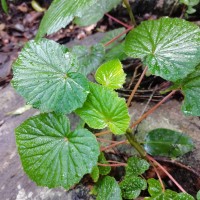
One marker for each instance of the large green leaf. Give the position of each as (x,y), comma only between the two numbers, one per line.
(165,142)
(45,76)
(61,13)
(89,57)
(191,91)
(104,108)
(95,12)
(131,186)
(169,47)
(51,154)
(136,166)
(111,74)
(108,189)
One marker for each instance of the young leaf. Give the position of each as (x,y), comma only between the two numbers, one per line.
(169,47)
(108,189)
(136,166)
(104,108)
(4,6)
(103,170)
(45,76)
(61,13)
(183,196)
(89,57)
(51,154)
(111,74)
(95,174)
(131,187)
(155,187)
(92,14)
(191,91)
(165,142)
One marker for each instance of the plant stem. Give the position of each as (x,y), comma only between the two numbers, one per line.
(113,165)
(130,12)
(115,38)
(166,172)
(113,145)
(118,21)
(153,109)
(102,133)
(136,87)
(132,140)
(107,141)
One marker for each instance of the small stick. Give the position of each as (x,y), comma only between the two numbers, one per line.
(102,133)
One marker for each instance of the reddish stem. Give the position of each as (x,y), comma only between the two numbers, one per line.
(166,172)
(104,140)
(112,165)
(153,109)
(102,133)
(117,37)
(118,21)
(136,86)
(113,145)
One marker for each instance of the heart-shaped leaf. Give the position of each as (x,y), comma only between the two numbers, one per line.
(111,74)
(91,15)
(51,154)
(169,47)
(165,142)
(104,108)
(45,76)
(108,189)
(89,57)
(61,13)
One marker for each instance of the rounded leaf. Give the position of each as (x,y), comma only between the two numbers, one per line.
(104,108)
(51,154)
(169,47)
(111,74)
(45,76)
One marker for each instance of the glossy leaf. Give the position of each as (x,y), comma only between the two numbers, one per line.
(108,189)
(165,142)
(136,166)
(45,76)
(92,14)
(104,108)
(61,13)
(95,174)
(191,91)
(131,187)
(51,154)
(89,58)
(103,170)
(169,47)
(111,74)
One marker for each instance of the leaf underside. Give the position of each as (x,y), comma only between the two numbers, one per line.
(51,154)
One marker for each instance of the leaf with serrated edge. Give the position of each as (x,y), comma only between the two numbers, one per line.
(46,77)
(61,13)
(108,189)
(136,166)
(91,15)
(89,57)
(51,154)
(191,91)
(131,186)
(104,108)
(169,47)
(111,74)
(165,142)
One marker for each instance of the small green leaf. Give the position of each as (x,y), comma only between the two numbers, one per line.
(4,6)
(112,34)
(104,108)
(103,170)
(154,188)
(45,76)
(108,189)
(131,187)
(191,91)
(183,196)
(190,2)
(165,142)
(95,174)
(136,166)
(51,154)
(91,15)
(111,74)
(89,57)
(169,47)
(198,195)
